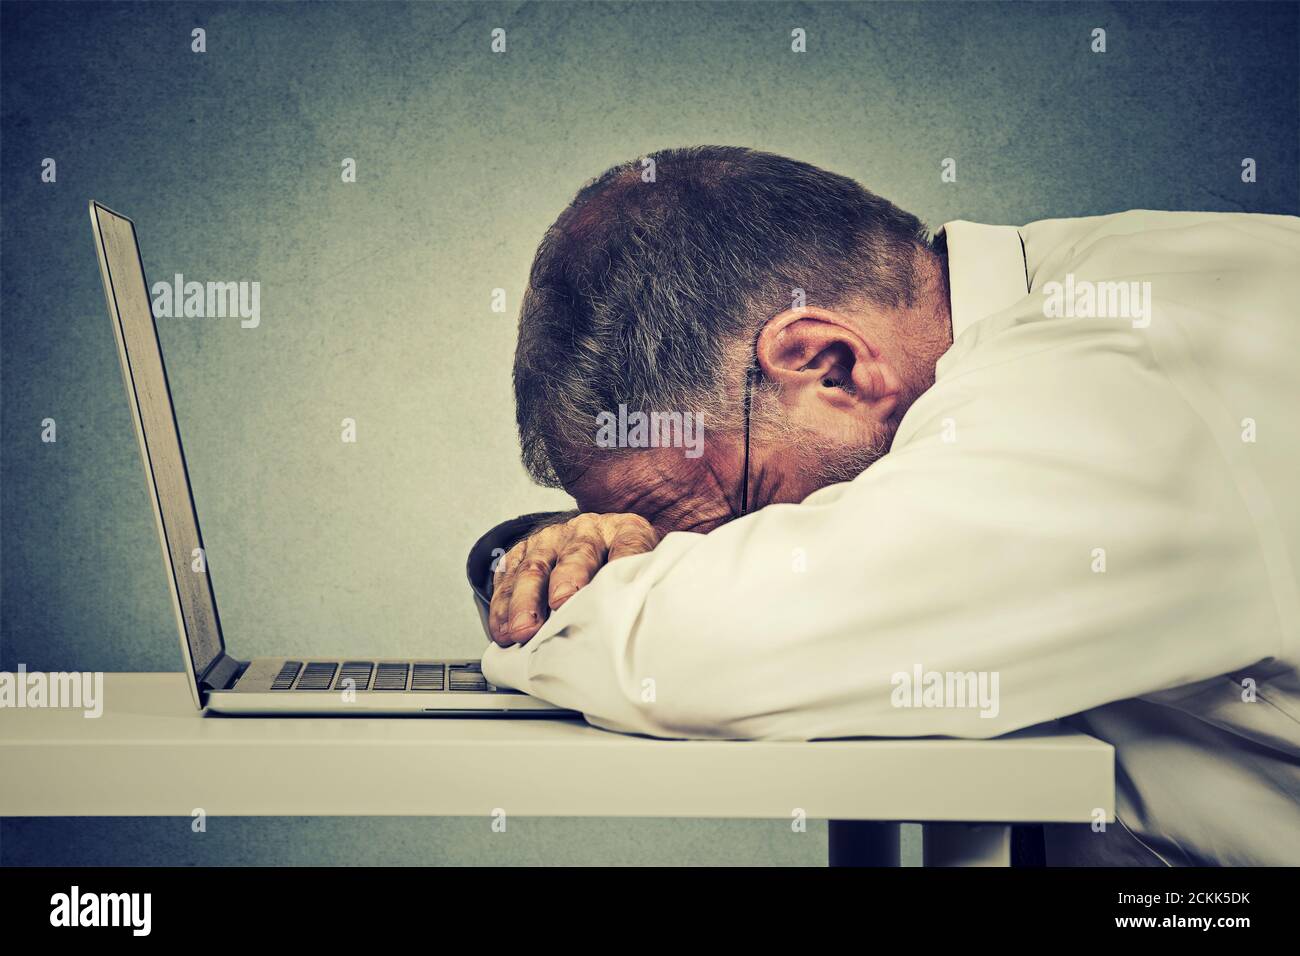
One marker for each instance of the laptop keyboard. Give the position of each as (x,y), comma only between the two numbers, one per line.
(379,676)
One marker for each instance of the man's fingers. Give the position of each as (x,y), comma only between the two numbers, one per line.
(634,535)
(528,598)
(503,585)
(498,611)
(507,564)
(542,572)
(580,559)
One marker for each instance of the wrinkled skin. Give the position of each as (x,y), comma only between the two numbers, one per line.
(547,568)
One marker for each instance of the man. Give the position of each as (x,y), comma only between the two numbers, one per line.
(956,487)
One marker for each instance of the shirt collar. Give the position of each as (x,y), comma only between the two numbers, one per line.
(986,271)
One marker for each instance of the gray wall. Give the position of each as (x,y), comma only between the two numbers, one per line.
(375,295)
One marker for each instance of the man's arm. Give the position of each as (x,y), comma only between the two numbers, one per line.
(1049,562)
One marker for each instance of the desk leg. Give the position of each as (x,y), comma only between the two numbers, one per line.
(966,844)
(862,843)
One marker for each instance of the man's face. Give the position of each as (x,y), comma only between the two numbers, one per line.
(672,492)
(676,493)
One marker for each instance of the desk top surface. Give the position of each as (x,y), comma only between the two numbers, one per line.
(152,753)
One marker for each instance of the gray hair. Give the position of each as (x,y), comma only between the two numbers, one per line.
(650,292)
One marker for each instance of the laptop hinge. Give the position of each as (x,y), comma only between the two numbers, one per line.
(221,673)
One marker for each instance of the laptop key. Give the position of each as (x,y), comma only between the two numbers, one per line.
(427,677)
(288,671)
(356,671)
(468,677)
(318,675)
(391,675)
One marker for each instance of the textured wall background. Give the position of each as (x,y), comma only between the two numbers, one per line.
(376,295)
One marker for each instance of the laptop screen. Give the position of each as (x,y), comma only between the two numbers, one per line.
(160,440)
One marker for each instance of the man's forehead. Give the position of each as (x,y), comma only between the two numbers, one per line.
(672,492)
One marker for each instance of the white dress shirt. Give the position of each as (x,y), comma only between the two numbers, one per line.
(1088,514)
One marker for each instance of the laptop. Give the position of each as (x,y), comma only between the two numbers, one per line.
(219,683)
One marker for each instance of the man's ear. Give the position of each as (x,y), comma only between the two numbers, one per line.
(824,364)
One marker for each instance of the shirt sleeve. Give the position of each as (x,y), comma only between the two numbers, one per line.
(1037,544)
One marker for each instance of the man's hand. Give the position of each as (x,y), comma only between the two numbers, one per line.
(548,567)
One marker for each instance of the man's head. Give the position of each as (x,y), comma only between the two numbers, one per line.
(669,280)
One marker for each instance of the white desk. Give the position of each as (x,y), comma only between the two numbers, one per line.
(152,754)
